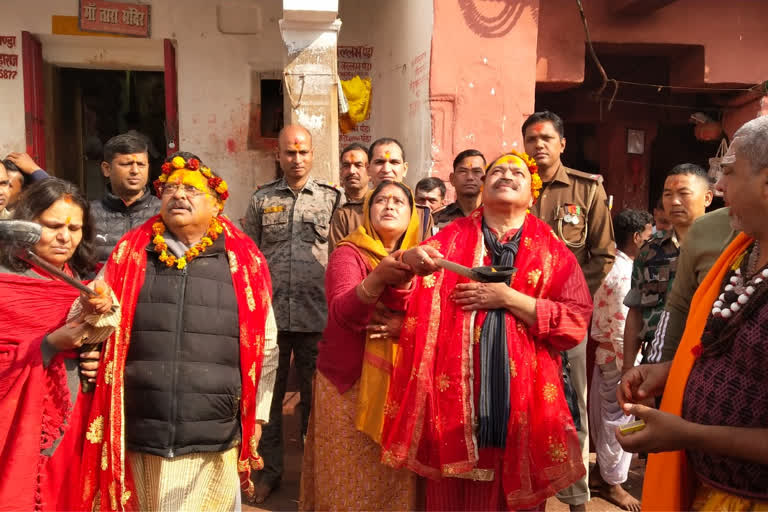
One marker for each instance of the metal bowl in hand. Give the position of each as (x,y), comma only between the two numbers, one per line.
(492,274)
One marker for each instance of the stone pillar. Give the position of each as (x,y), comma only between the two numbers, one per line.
(310,32)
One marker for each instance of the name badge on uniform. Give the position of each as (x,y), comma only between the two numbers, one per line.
(273,209)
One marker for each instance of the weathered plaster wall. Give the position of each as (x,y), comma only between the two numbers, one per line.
(483,76)
(400,32)
(214,77)
(732,33)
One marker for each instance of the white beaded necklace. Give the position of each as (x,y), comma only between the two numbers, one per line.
(736,293)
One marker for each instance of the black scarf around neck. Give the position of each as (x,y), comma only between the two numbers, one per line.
(494,356)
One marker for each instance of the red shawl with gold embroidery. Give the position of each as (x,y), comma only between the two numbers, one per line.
(35,403)
(106,474)
(433,394)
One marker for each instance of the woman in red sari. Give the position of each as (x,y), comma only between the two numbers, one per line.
(341,468)
(42,408)
(476,400)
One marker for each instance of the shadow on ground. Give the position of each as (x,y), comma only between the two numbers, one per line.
(286,497)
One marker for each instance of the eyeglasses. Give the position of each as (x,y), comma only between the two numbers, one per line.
(171,188)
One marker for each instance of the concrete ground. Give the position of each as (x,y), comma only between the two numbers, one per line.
(286,497)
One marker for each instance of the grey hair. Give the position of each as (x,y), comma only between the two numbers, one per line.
(754,143)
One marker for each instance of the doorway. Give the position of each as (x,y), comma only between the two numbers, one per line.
(675,144)
(88,107)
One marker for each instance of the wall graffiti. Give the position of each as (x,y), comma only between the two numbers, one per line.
(9,62)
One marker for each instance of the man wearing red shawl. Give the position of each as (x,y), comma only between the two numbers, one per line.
(186,381)
(476,400)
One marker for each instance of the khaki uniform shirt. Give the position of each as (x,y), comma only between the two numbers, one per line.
(347,218)
(575,206)
(291,230)
(448,214)
(703,244)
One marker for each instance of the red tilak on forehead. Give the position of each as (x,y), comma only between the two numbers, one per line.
(538,128)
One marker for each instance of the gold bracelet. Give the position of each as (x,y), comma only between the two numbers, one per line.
(365,290)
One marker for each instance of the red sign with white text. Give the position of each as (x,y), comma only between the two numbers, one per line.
(114,18)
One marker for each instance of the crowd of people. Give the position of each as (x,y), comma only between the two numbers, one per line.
(441,350)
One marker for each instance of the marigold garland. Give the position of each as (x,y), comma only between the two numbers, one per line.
(533,168)
(158,228)
(193,164)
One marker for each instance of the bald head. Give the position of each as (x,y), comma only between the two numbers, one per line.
(293,132)
(295,154)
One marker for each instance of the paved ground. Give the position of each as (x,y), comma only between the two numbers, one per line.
(287,496)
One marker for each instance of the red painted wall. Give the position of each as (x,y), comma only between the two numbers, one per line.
(482,76)
(732,34)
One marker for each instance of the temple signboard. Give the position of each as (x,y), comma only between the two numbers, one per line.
(114,18)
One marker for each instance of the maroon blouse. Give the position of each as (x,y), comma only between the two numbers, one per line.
(340,352)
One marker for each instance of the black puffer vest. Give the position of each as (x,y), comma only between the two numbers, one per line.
(182,374)
(113,218)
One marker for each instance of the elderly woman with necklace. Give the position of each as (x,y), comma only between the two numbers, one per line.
(476,401)
(342,468)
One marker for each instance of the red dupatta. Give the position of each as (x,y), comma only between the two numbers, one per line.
(106,475)
(35,406)
(431,408)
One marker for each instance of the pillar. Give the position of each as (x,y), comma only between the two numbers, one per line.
(310,31)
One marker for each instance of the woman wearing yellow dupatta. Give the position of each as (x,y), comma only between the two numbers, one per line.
(341,468)
(709,440)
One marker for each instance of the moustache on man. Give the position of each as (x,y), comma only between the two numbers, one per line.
(179,204)
(505,182)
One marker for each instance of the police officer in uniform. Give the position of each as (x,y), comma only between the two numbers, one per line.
(289,220)
(574,204)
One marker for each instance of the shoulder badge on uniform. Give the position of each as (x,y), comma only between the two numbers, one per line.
(590,176)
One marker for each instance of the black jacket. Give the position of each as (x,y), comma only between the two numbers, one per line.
(113,219)
(182,373)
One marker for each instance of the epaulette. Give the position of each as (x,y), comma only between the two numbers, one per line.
(266,185)
(590,176)
(328,184)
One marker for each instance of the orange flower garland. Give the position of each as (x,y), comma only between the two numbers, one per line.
(533,168)
(215,183)
(158,228)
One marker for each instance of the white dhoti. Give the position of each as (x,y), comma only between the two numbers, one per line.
(605,415)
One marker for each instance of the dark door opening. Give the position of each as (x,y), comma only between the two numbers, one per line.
(91,106)
(676,144)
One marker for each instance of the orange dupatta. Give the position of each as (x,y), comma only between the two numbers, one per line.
(380,354)
(668,482)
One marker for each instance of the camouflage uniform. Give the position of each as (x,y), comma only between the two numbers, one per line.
(653,273)
(291,229)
